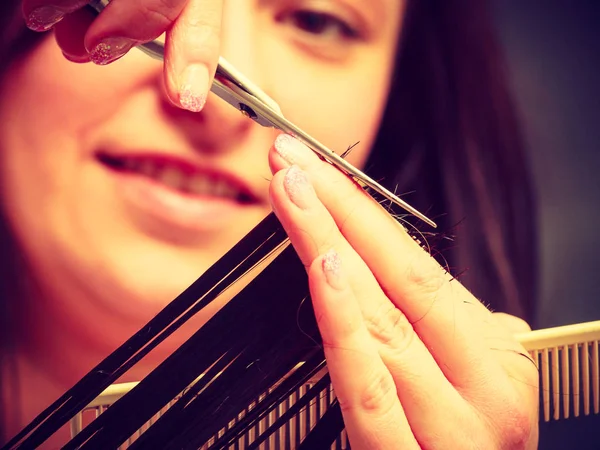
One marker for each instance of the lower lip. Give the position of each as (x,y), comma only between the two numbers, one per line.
(157,202)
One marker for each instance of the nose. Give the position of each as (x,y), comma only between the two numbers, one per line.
(217,128)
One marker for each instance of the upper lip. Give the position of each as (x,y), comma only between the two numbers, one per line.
(186,164)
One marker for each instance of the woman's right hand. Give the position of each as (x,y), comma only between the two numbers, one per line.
(192,30)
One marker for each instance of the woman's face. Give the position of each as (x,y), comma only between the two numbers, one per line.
(121,200)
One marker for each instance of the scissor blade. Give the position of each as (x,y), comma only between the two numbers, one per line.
(330,156)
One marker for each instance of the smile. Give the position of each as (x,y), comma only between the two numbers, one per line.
(178,176)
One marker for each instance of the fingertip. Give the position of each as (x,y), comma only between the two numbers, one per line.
(109,50)
(70,34)
(187,84)
(330,286)
(276,192)
(331,265)
(193,87)
(170,82)
(337,311)
(192,50)
(43,18)
(276,161)
(77,59)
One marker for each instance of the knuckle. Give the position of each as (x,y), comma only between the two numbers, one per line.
(390,326)
(199,24)
(376,398)
(161,13)
(426,276)
(345,330)
(202,35)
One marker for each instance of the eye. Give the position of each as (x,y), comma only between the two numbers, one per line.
(320,24)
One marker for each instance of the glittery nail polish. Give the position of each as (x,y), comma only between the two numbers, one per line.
(110,49)
(194,89)
(190,101)
(291,149)
(44,18)
(298,188)
(332,268)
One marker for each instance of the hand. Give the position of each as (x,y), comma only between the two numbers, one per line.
(415,360)
(192,30)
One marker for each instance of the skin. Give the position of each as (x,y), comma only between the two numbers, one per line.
(389,315)
(399,325)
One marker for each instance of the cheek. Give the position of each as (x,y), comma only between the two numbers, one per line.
(44,97)
(50,110)
(50,107)
(340,106)
(43,113)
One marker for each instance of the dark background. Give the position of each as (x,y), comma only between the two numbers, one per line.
(553,50)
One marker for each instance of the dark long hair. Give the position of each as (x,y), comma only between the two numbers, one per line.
(450,134)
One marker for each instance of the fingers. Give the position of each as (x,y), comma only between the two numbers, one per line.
(192,30)
(455,330)
(412,280)
(313,233)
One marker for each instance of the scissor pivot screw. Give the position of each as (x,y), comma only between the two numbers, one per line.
(247,111)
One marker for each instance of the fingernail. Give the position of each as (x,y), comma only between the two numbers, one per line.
(332,268)
(44,18)
(110,49)
(194,89)
(291,149)
(298,188)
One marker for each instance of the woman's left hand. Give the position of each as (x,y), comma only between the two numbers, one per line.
(415,360)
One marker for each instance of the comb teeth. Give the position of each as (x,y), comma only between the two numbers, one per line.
(567,357)
(569,365)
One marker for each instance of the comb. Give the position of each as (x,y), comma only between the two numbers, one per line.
(567,358)
(569,365)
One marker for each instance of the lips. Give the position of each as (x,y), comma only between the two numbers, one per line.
(174,199)
(179,176)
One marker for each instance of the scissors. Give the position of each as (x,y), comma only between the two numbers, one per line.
(233,87)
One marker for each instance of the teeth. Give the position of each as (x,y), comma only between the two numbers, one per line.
(175,178)
(148,168)
(222,189)
(131,164)
(171,177)
(199,185)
